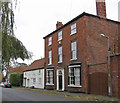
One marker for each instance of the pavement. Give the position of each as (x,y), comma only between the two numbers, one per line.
(79,96)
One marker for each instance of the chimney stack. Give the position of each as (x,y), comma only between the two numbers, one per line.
(101,8)
(59,24)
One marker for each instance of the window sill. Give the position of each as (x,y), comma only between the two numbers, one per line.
(60,62)
(73,59)
(73,33)
(49,44)
(59,40)
(49,84)
(74,86)
(49,64)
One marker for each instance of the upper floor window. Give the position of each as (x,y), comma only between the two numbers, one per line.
(73,29)
(60,36)
(73,50)
(50,57)
(50,77)
(40,80)
(49,41)
(60,54)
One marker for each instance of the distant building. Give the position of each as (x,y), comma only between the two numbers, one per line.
(19,69)
(34,74)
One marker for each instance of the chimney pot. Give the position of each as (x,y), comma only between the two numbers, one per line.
(59,24)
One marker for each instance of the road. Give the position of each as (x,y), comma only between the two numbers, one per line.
(11,94)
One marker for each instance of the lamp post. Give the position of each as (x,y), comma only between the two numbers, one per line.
(109,71)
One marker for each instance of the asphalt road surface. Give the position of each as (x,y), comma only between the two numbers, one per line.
(11,94)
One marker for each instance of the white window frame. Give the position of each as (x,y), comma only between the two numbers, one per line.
(59,35)
(49,41)
(60,54)
(40,80)
(74,50)
(73,29)
(49,77)
(49,57)
(34,80)
(76,77)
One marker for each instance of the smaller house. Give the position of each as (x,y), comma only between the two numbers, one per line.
(34,75)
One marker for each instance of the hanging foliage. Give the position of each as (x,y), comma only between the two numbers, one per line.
(12,48)
(7,18)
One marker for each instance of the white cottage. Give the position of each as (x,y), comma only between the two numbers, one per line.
(34,75)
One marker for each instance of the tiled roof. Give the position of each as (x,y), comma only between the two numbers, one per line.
(37,64)
(19,69)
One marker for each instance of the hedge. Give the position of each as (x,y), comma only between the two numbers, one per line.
(16,79)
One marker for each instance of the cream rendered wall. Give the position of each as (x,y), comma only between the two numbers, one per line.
(30,75)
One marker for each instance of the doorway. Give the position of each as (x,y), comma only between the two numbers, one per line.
(60,79)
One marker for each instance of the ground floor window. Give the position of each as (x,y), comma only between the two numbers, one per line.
(40,80)
(50,77)
(74,76)
(34,80)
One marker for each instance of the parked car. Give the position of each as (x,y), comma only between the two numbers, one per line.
(7,85)
(2,84)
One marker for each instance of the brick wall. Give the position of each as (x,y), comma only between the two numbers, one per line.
(115,72)
(97,45)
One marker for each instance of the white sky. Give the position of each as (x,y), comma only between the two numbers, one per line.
(37,18)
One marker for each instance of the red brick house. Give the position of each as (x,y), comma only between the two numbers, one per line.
(75,52)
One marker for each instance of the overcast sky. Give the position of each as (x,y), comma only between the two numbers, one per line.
(37,18)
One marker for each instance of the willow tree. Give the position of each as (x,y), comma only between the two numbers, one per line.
(12,48)
(15,49)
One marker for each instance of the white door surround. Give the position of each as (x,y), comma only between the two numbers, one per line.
(60,79)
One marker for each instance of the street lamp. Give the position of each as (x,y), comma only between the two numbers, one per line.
(109,71)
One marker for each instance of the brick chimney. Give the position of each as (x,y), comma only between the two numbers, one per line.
(101,8)
(59,24)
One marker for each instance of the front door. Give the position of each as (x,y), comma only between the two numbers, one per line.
(60,80)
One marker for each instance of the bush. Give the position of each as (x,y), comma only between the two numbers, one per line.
(16,79)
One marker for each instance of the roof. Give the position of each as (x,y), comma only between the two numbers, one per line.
(76,18)
(37,64)
(19,69)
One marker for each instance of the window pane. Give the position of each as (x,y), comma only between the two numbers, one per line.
(73,28)
(60,35)
(60,54)
(50,76)
(77,76)
(73,50)
(50,41)
(74,76)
